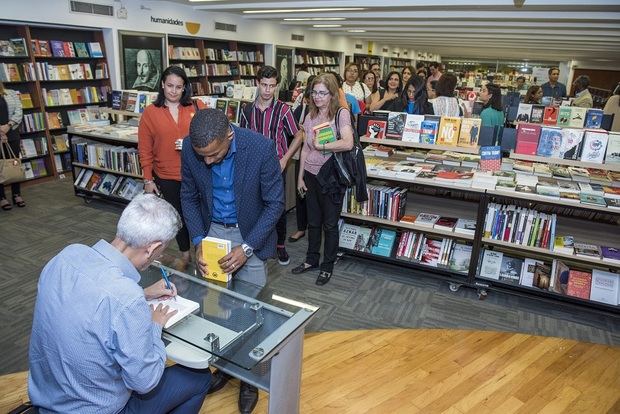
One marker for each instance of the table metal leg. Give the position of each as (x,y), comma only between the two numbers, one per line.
(285,376)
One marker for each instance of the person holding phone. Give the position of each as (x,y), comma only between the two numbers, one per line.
(163,126)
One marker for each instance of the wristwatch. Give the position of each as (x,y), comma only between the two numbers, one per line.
(247,250)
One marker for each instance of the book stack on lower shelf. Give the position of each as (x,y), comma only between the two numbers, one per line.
(107,184)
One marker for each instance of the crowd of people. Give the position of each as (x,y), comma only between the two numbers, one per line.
(206,177)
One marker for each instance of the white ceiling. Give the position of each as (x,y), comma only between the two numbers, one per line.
(540,29)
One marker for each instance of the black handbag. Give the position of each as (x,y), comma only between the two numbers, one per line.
(351,165)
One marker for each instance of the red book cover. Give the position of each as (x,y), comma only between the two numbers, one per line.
(527,139)
(579,284)
(550,116)
(376,129)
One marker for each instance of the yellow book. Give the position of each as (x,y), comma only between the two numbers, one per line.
(213,249)
(449,129)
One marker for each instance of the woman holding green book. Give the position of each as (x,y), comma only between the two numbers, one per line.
(317,179)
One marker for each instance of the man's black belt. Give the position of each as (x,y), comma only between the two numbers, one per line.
(227,225)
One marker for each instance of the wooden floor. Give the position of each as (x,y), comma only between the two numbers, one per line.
(435,371)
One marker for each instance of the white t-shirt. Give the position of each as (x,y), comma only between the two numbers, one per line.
(359,90)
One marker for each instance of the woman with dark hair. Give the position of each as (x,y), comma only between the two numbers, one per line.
(163,126)
(431,90)
(446,104)
(389,99)
(407,73)
(534,95)
(414,97)
(323,198)
(370,79)
(492,113)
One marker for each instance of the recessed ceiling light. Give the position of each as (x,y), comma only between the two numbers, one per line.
(356,31)
(325,9)
(326,25)
(304,19)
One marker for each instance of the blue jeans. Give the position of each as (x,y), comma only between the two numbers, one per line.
(181,390)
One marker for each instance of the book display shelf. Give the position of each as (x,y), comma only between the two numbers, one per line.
(105,162)
(317,61)
(435,217)
(365,61)
(58,72)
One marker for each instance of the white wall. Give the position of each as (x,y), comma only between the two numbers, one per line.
(139,14)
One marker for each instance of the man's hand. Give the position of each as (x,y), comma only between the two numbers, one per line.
(161,314)
(158,290)
(202,265)
(283,163)
(234,260)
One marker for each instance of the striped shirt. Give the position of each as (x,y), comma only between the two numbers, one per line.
(275,122)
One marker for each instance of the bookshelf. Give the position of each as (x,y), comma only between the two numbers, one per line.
(188,53)
(229,62)
(61,70)
(560,161)
(317,61)
(421,145)
(365,61)
(398,64)
(590,224)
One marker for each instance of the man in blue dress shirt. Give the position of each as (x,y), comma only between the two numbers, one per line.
(554,88)
(231,188)
(96,345)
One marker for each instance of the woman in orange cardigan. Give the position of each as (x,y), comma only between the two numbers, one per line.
(163,126)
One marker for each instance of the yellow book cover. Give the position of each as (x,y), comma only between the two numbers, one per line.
(470,131)
(449,128)
(213,249)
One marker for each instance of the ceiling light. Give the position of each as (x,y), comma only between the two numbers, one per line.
(305,19)
(356,31)
(326,25)
(325,9)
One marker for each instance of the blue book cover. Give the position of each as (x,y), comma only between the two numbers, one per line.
(594,117)
(384,241)
(429,131)
(550,143)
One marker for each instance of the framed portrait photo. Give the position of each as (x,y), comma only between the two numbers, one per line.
(142,60)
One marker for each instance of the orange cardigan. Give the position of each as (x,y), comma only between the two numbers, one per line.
(157,134)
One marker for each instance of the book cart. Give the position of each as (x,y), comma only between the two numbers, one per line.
(586,223)
(111,170)
(57,71)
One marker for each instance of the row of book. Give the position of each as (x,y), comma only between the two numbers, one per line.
(406,245)
(596,285)
(518,225)
(248,69)
(250,56)
(191,70)
(71,96)
(17,72)
(32,122)
(562,116)
(58,48)
(89,115)
(595,146)
(34,168)
(62,162)
(183,53)
(54,120)
(73,71)
(383,201)
(197,88)
(13,47)
(221,69)
(131,100)
(316,60)
(111,157)
(567,245)
(33,147)
(220,54)
(108,184)
(124,131)
(426,129)
(26,100)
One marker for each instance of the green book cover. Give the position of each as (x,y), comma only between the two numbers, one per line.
(564,116)
(324,133)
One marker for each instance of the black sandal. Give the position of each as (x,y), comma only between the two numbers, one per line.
(304,267)
(21,203)
(292,239)
(323,278)
(5,205)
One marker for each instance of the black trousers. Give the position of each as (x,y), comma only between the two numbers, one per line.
(171,191)
(281,224)
(301,211)
(15,187)
(323,215)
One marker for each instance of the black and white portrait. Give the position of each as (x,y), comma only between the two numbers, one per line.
(142,60)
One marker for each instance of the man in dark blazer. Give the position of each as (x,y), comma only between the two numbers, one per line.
(231,188)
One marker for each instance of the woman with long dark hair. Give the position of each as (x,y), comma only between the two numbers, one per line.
(446,104)
(163,126)
(534,95)
(389,99)
(492,113)
(415,98)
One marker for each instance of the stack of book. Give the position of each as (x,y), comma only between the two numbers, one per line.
(526,227)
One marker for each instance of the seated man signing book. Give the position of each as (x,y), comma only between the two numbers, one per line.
(231,189)
(96,345)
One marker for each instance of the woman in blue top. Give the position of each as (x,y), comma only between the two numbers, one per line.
(415,98)
(491,97)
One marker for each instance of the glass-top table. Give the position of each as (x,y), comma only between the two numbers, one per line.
(229,324)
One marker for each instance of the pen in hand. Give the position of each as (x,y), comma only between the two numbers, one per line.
(168,285)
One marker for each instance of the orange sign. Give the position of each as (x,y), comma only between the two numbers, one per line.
(192,28)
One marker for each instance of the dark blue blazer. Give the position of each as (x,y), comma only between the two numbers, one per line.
(259,191)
